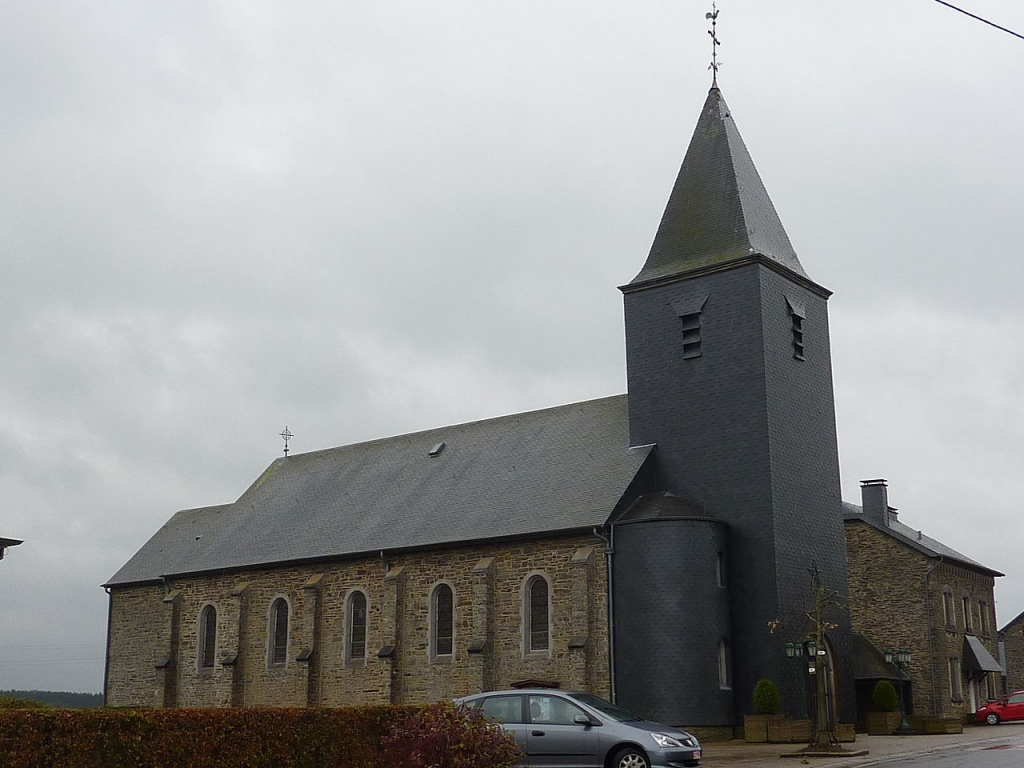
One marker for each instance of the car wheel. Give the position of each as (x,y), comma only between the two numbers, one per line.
(992,718)
(631,757)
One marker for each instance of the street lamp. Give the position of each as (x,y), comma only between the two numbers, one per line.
(900,658)
(807,650)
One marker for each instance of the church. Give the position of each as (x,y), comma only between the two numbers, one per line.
(654,548)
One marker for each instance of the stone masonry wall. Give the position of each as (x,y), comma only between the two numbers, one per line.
(896,600)
(1013,645)
(135,678)
(155,627)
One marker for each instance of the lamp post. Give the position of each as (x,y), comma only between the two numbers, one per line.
(900,658)
(795,651)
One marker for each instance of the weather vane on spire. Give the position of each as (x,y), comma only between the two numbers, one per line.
(286,435)
(713,16)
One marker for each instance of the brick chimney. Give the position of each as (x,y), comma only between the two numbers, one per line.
(874,496)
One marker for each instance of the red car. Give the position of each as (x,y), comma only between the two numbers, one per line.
(1009,708)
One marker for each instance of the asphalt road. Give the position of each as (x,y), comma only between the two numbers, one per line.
(1001,753)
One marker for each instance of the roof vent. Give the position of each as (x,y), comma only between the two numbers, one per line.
(436,450)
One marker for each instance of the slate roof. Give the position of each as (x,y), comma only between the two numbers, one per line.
(869,661)
(976,657)
(558,469)
(916,539)
(719,210)
(1010,625)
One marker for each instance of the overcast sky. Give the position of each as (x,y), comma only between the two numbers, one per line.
(368,218)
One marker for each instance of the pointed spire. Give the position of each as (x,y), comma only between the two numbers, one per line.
(719,211)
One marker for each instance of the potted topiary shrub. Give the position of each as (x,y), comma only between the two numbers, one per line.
(767,702)
(885,718)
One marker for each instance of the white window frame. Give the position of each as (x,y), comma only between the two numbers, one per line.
(201,638)
(527,616)
(349,598)
(432,651)
(272,632)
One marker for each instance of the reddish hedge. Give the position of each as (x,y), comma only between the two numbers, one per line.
(447,736)
(347,737)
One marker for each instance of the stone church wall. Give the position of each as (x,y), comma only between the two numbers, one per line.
(139,641)
(155,630)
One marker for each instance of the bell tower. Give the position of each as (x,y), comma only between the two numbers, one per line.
(730,376)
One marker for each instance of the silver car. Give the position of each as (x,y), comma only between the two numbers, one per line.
(580,730)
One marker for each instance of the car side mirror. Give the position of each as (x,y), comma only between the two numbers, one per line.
(582,720)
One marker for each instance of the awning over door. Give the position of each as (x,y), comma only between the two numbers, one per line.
(869,661)
(977,658)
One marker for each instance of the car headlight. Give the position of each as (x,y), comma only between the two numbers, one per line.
(664,740)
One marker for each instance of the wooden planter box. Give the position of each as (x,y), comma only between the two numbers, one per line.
(941,725)
(923,724)
(788,731)
(883,723)
(847,732)
(755,727)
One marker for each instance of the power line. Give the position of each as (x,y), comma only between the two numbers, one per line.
(38,647)
(979,18)
(50,662)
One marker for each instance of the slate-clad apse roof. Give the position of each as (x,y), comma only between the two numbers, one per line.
(559,469)
(916,539)
(719,210)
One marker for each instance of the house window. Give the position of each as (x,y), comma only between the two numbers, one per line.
(356,620)
(537,612)
(724,678)
(968,619)
(990,687)
(442,621)
(207,637)
(983,618)
(956,692)
(278,651)
(797,314)
(947,609)
(720,569)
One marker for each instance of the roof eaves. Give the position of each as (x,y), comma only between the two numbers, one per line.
(434,546)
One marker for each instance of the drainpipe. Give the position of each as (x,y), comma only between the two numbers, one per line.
(106,657)
(931,631)
(609,550)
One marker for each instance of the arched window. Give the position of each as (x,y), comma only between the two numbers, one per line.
(442,621)
(356,621)
(278,654)
(207,637)
(537,612)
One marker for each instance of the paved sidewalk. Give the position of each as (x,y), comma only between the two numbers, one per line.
(736,753)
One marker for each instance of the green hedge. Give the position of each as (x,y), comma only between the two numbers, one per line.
(348,737)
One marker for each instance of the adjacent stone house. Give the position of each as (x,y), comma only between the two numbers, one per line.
(909,591)
(1011,651)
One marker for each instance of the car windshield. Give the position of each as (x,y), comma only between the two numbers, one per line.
(606,708)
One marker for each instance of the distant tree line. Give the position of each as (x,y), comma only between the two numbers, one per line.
(60,699)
